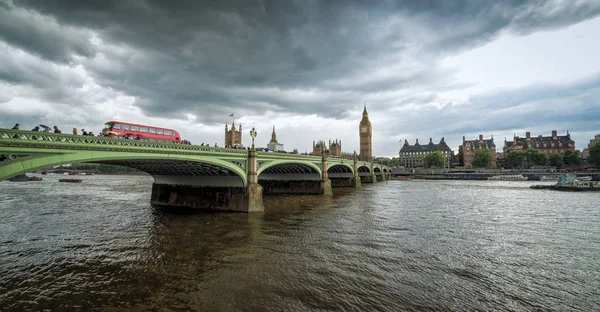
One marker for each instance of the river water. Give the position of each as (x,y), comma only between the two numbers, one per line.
(394,246)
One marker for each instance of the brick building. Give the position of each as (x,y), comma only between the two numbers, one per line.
(468,148)
(548,144)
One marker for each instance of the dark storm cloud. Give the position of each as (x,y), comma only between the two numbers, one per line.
(43,38)
(210,58)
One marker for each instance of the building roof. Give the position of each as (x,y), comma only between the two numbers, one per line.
(430,147)
(476,144)
(539,141)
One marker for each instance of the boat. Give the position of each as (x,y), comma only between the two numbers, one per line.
(571,183)
(24,178)
(70,180)
(508,177)
(402,178)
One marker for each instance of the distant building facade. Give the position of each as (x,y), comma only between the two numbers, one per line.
(411,156)
(365,132)
(468,148)
(334,148)
(233,136)
(274,145)
(553,144)
(586,151)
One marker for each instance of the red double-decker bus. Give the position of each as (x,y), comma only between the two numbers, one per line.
(118,129)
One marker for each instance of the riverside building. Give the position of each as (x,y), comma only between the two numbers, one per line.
(548,144)
(469,147)
(411,156)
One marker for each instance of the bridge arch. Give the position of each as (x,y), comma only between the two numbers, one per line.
(188,165)
(339,168)
(289,167)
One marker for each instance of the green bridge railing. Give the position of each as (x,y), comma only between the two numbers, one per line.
(48,140)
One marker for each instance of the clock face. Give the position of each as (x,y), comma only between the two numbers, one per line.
(363,129)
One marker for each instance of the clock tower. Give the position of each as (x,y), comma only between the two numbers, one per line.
(365,131)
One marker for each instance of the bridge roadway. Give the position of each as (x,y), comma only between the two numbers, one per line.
(190,175)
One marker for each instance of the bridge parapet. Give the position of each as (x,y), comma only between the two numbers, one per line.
(19,138)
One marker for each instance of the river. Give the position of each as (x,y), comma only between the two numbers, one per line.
(394,246)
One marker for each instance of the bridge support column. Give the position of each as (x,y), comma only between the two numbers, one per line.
(355,181)
(373,176)
(253,192)
(325,182)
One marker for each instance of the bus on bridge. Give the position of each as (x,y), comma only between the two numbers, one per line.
(117,129)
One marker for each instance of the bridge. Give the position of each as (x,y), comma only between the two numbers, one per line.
(191,175)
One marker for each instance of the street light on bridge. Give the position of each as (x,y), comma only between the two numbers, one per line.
(253,135)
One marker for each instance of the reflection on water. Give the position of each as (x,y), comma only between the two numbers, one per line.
(398,245)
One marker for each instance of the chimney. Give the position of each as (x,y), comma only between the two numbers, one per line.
(528,134)
(463,140)
(481,137)
(430,141)
(417,141)
(554,133)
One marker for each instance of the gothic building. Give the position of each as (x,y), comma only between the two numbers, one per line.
(549,144)
(274,145)
(334,148)
(365,132)
(468,148)
(233,136)
(411,156)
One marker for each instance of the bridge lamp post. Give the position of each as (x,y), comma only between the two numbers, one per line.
(253,135)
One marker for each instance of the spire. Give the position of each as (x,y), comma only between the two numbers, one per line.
(365,114)
(273,136)
(226,127)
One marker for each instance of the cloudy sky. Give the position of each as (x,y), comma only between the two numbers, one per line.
(426,69)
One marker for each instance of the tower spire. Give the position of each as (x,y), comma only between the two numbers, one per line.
(273,136)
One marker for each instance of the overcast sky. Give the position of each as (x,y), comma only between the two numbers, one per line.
(426,69)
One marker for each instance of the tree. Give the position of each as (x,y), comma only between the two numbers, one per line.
(536,157)
(483,158)
(382,161)
(434,160)
(555,160)
(594,157)
(571,158)
(516,159)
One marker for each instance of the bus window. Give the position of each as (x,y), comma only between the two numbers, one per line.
(107,126)
(166,132)
(159,131)
(134,128)
(125,127)
(117,126)
(152,130)
(143,129)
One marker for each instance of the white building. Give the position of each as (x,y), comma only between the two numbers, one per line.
(274,145)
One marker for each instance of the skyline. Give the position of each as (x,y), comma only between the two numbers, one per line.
(449,70)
